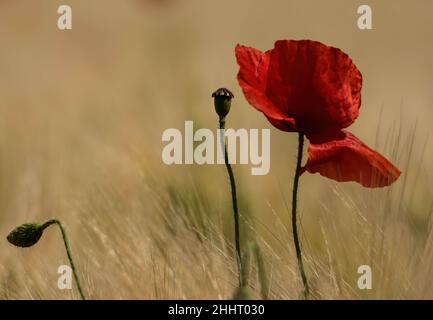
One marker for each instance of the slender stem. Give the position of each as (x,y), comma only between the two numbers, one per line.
(235,207)
(294,208)
(68,252)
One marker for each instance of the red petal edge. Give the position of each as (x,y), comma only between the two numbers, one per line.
(346,158)
(253,68)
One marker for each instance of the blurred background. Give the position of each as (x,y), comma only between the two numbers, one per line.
(81,118)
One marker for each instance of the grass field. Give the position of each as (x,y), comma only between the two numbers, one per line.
(81,118)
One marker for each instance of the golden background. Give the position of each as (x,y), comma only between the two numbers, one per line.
(81,118)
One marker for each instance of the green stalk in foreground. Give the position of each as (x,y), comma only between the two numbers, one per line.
(222,101)
(28,234)
(294,209)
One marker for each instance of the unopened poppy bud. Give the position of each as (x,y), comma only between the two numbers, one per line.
(222,101)
(26,235)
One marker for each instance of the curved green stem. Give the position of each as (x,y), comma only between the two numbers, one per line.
(235,206)
(68,252)
(294,209)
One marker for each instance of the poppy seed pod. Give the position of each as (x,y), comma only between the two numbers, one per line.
(222,101)
(26,235)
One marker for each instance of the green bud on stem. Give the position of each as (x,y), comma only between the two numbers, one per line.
(222,101)
(26,235)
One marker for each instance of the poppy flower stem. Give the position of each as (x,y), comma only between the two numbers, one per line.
(235,204)
(68,252)
(294,209)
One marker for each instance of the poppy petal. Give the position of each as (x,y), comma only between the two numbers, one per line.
(252,79)
(315,84)
(343,157)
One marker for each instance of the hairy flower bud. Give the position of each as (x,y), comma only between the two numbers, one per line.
(26,235)
(222,101)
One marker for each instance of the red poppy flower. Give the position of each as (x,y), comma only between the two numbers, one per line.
(308,87)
